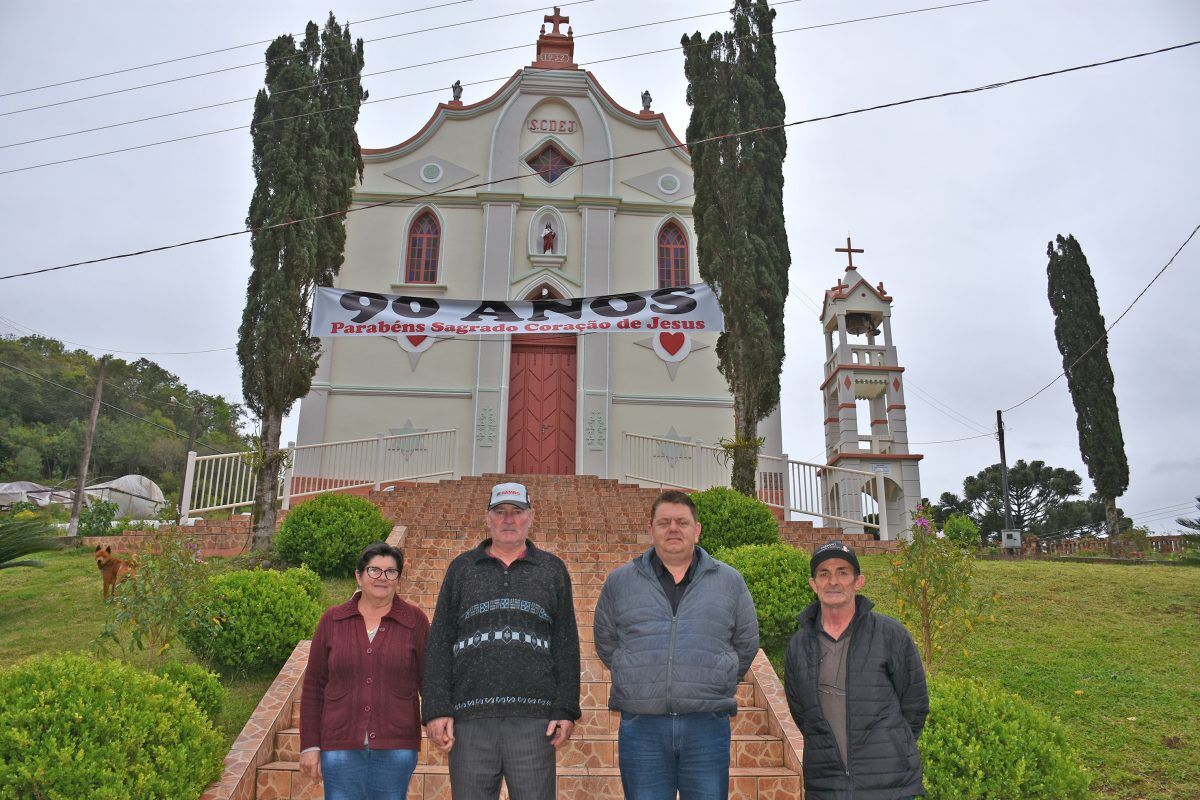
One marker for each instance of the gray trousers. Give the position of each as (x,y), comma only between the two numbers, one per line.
(514,748)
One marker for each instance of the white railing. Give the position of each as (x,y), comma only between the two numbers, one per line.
(225,481)
(839,497)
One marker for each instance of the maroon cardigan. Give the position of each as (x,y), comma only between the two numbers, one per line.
(356,689)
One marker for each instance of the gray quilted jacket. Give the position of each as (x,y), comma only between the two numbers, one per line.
(685,663)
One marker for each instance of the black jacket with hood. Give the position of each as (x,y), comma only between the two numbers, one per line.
(886,705)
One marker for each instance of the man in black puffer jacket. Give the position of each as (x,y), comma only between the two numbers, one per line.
(856,689)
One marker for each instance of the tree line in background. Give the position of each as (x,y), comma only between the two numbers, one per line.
(1046,502)
(42,426)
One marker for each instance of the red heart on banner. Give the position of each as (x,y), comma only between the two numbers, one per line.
(671,342)
(415,341)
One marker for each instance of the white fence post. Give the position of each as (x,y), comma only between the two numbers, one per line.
(380,456)
(287,475)
(881,506)
(785,475)
(185,496)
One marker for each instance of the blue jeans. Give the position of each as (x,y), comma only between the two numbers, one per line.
(685,753)
(367,774)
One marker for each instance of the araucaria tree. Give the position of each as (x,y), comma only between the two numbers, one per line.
(742,245)
(306,160)
(1083,342)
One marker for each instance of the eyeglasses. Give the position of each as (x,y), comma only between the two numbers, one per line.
(391,573)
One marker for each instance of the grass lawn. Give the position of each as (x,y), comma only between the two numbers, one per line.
(1112,650)
(60,608)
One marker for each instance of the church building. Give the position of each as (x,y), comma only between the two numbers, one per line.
(523,195)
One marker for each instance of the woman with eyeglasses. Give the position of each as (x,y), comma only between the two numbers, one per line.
(360,718)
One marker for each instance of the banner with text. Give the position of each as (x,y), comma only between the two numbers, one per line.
(341,312)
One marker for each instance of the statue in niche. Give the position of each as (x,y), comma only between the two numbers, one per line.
(456,88)
(646,100)
(548,237)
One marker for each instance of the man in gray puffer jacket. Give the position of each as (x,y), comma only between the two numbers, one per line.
(678,630)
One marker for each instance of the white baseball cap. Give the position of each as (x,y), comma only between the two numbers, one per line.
(512,493)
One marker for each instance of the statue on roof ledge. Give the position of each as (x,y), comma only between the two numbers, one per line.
(646,100)
(456,88)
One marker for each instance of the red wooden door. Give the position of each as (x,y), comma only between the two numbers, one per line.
(541,406)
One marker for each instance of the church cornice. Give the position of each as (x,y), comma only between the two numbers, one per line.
(523,201)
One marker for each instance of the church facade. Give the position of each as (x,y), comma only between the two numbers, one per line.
(524,195)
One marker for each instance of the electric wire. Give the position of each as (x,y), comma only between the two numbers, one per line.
(636,154)
(407,95)
(17,326)
(521,46)
(1104,336)
(217,51)
(260,63)
(109,406)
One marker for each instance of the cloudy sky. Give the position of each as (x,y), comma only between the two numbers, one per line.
(953,200)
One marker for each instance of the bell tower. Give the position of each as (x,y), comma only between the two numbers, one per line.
(862,374)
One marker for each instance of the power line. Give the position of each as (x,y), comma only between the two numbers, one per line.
(963,439)
(17,326)
(1104,336)
(204,134)
(259,63)
(457,188)
(217,51)
(465,56)
(947,410)
(108,405)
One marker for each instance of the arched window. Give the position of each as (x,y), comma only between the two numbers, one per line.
(423,236)
(672,256)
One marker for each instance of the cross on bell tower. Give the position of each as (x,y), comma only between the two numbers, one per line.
(556,50)
(861,365)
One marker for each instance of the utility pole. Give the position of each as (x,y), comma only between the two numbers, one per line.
(73,527)
(191,443)
(1003,471)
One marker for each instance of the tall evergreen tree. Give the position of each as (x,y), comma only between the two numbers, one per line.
(742,245)
(1083,342)
(306,159)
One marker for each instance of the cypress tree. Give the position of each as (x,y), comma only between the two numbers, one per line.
(742,245)
(1078,325)
(306,159)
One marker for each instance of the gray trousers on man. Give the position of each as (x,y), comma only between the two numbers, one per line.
(516,749)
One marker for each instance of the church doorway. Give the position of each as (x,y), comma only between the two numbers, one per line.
(541,405)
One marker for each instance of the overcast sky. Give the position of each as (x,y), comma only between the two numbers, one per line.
(954,200)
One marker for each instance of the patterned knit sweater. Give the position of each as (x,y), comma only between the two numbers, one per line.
(503,640)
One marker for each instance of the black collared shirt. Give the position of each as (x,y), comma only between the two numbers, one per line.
(674,590)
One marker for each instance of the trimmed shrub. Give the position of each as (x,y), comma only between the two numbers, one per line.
(961,530)
(308,580)
(253,620)
(72,726)
(328,532)
(731,519)
(980,743)
(200,684)
(777,577)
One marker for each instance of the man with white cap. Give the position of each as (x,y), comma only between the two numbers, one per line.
(501,685)
(856,689)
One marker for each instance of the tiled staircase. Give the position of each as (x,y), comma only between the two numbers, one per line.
(594,525)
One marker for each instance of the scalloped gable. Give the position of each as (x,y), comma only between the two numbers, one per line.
(846,290)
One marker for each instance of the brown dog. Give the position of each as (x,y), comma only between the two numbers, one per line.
(112,569)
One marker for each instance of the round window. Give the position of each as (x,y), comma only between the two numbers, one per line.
(431,173)
(668,184)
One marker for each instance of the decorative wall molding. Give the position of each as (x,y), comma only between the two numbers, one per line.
(486,428)
(658,400)
(597,431)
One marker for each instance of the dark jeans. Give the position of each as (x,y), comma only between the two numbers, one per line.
(367,774)
(685,753)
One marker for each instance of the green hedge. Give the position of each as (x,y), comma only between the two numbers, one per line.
(981,743)
(73,726)
(777,577)
(731,519)
(329,532)
(254,619)
(200,684)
